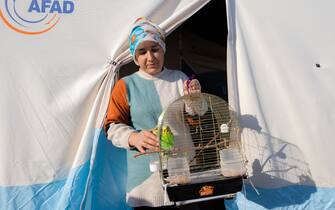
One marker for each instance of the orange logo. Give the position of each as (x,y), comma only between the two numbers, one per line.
(32,17)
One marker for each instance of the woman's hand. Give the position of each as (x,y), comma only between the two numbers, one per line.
(192,86)
(144,140)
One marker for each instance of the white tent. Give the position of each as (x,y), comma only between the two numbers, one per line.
(281,78)
(58,62)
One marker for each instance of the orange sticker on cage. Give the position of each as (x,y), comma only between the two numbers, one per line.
(206,190)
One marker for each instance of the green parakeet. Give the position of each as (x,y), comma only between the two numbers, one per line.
(167,138)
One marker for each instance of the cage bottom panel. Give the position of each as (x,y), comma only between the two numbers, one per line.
(205,189)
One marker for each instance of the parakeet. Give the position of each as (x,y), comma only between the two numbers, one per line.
(167,138)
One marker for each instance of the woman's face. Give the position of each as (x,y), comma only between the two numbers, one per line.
(150,57)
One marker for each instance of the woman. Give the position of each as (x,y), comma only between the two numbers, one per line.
(136,102)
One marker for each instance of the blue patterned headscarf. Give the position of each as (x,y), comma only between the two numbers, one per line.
(144,30)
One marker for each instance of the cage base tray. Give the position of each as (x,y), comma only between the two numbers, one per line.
(205,190)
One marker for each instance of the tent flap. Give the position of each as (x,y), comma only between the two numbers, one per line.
(280,73)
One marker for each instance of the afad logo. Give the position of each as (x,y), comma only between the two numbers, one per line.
(32,17)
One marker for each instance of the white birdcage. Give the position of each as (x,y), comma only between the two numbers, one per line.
(201,154)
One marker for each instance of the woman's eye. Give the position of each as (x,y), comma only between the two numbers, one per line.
(154,49)
(141,52)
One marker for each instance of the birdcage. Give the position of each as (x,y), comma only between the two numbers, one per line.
(200,156)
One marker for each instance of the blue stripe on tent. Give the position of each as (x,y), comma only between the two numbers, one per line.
(97,184)
(64,194)
(296,197)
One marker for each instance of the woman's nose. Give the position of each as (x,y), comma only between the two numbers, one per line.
(150,55)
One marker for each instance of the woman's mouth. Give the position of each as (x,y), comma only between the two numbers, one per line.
(152,65)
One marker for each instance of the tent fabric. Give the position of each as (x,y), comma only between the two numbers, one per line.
(57,70)
(280,81)
(58,64)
